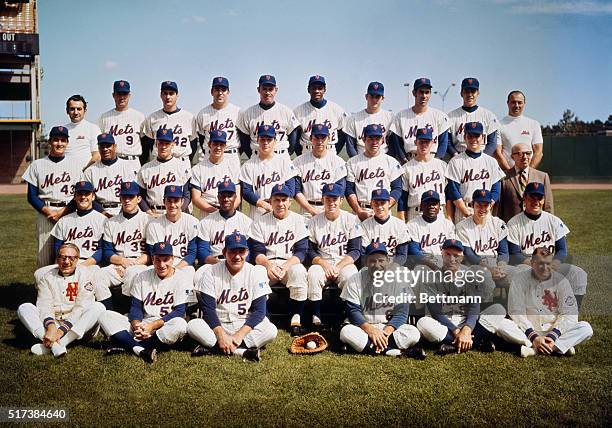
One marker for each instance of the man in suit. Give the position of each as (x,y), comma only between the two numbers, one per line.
(513,186)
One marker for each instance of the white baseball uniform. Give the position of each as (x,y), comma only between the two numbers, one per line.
(207,176)
(83,141)
(83,231)
(107,180)
(354,124)
(181,123)
(406,122)
(125,127)
(314,172)
(515,130)
(483,239)
(431,236)
(371,173)
(214,228)
(419,177)
(154,176)
(178,234)
(210,119)
(392,233)
(459,117)
(331,115)
(279,116)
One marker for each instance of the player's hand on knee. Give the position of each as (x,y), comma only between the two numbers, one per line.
(541,345)
(224,341)
(50,335)
(463,340)
(378,338)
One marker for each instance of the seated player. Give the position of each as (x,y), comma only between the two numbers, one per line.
(279,242)
(378,326)
(65,308)
(157,313)
(537,228)
(385,228)
(232,297)
(334,246)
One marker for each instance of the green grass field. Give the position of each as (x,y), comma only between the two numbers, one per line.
(322,390)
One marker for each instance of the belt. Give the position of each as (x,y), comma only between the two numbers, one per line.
(278,152)
(83,258)
(231,151)
(159,207)
(316,203)
(277,258)
(365,205)
(55,204)
(128,157)
(111,205)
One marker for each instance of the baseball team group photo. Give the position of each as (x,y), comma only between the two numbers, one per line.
(350,263)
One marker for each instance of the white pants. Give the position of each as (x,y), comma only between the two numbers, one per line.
(317,280)
(29,316)
(111,277)
(100,282)
(45,240)
(171,332)
(296,280)
(405,336)
(265,332)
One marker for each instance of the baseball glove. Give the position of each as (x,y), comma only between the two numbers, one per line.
(298,346)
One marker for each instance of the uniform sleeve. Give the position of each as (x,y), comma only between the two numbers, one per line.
(206,284)
(261,284)
(44,299)
(147,131)
(352,290)
(537,133)
(516,304)
(568,309)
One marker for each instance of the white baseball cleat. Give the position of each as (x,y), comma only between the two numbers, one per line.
(527,352)
(40,349)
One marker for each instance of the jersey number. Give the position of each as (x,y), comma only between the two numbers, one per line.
(138,246)
(242,309)
(129,140)
(90,245)
(181,142)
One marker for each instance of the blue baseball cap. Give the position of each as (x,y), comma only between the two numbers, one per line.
(482,195)
(376,88)
(316,80)
(105,138)
(535,189)
(173,191)
(430,195)
(226,186)
(282,190)
(267,79)
(470,83)
(220,81)
(266,131)
(169,85)
(129,188)
(235,241)
(373,130)
(162,249)
(320,129)
(473,128)
(376,248)
(164,135)
(452,243)
(421,81)
(59,131)
(83,186)
(333,190)
(424,134)
(380,195)
(121,87)
(217,136)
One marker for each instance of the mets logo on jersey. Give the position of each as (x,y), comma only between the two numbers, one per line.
(72,289)
(89,286)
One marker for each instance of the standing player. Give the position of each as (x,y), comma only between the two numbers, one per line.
(371,170)
(124,124)
(420,115)
(65,308)
(50,188)
(515,129)
(220,115)
(422,173)
(471,112)
(211,172)
(268,111)
(372,114)
(334,247)
(472,170)
(157,313)
(232,297)
(319,110)
(279,242)
(107,174)
(83,147)
(262,172)
(315,168)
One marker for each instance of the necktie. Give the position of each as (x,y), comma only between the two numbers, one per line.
(523,180)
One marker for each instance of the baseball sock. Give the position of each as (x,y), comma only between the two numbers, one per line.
(392,348)
(68,338)
(316,311)
(126,341)
(297,308)
(152,342)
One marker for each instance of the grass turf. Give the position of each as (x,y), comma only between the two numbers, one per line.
(321,390)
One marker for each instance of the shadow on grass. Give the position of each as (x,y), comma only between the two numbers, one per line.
(13,295)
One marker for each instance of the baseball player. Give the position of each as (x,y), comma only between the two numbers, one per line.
(315,168)
(372,114)
(537,228)
(422,173)
(322,111)
(209,173)
(220,115)
(371,170)
(165,170)
(157,313)
(82,147)
(50,188)
(470,111)
(279,242)
(107,174)
(65,308)
(262,172)
(472,170)
(516,128)
(334,246)
(213,229)
(268,111)
(383,227)
(376,313)
(171,117)
(124,124)
(405,124)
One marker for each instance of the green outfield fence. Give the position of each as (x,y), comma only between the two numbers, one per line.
(579,158)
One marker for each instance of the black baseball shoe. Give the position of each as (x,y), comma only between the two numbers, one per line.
(114,350)
(445,349)
(415,353)
(251,354)
(486,346)
(295,330)
(200,351)
(149,355)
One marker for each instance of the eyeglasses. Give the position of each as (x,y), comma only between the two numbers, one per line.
(62,258)
(521,154)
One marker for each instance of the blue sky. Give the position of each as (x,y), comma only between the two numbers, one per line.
(558,52)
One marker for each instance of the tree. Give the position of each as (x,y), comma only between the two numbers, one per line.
(567,123)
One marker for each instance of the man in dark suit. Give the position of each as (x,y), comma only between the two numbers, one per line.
(511,198)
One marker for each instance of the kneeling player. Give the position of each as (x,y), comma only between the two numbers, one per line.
(232,297)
